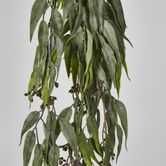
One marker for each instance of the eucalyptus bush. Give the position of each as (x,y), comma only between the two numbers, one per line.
(89,35)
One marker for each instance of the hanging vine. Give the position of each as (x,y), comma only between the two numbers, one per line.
(89,35)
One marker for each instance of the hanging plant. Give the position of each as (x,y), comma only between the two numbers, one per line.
(89,35)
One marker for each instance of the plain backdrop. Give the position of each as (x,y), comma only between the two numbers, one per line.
(144,96)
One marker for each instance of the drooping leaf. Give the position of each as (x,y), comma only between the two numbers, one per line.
(67,4)
(122,113)
(39,8)
(65,114)
(93,130)
(30,120)
(59,49)
(120,139)
(56,22)
(74,68)
(38,156)
(32,80)
(118,77)
(69,133)
(109,57)
(45,89)
(28,147)
(43,33)
(54,154)
(52,77)
(92,16)
(119,13)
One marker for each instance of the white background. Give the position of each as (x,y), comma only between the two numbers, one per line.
(144,96)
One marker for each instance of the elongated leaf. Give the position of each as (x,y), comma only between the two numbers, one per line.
(45,89)
(52,78)
(120,139)
(84,149)
(59,49)
(69,133)
(99,12)
(32,80)
(38,9)
(89,52)
(93,130)
(67,4)
(65,114)
(109,57)
(110,34)
(56,22)
(122,113)
(74,68)
(43,33)
(30,120)
(78,19)
(118,77)
(54,154)
(28,147)
(119,12)
(38,155)
(92,16)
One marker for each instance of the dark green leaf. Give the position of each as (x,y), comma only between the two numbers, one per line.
(69,133)
(30,120)
(28,147)
(54,154)
(38,9)
(38,156)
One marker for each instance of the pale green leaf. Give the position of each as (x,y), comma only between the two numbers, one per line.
(69,133)
(28,147)
(39,8)
(38,156)
(30,120)
(54,155)
(67,4)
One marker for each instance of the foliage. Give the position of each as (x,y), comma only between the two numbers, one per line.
(90,35)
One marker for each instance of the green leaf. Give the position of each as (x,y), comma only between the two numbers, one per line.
(28,147)
(78,19)
(119,13)
(110,35)
(38,156)
(52,77)
(92,16)
(43,33)
(65,114)
(99,9)
(93,130)
(78,120)
(33,79)
(59,49)
(74,68)
(86,149)
(120,139)
(53,156)
(67,4)
(38,9)
(118,77)
(69,133)
(30,120)
(56,22)
(89,52)
(122,113)
(45,89)
(109,57)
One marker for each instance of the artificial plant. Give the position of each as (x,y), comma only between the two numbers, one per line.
(89,35)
